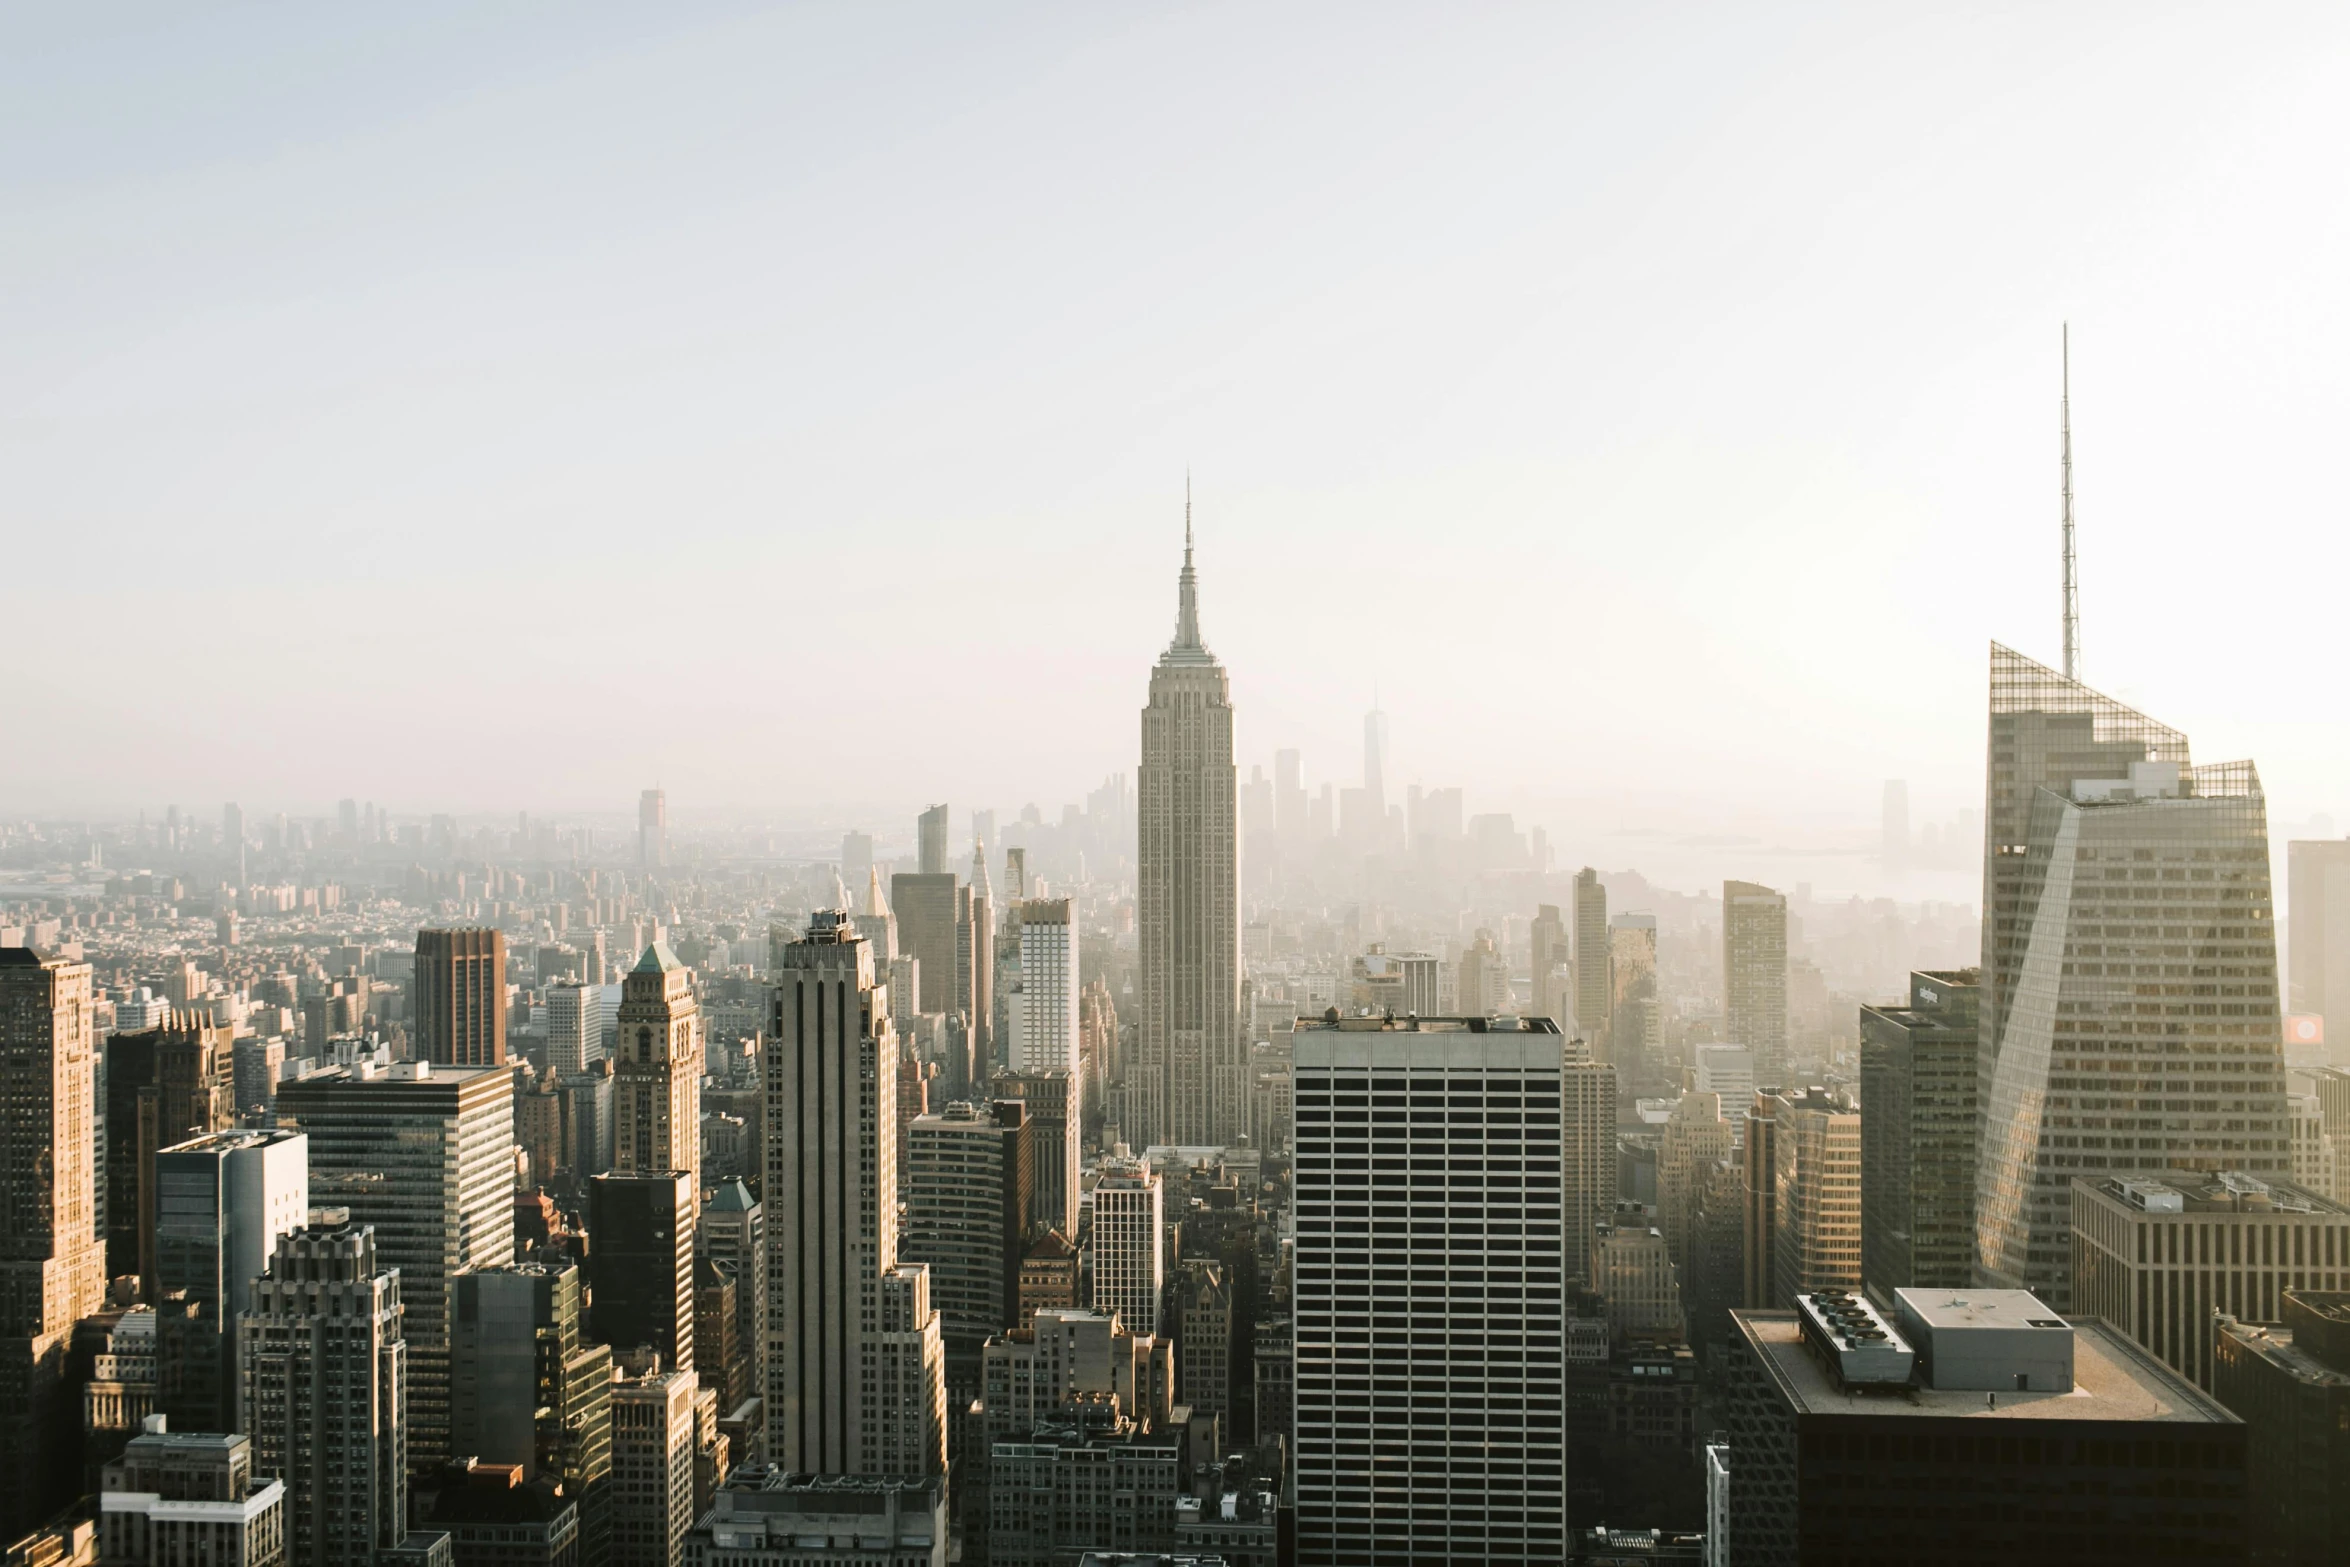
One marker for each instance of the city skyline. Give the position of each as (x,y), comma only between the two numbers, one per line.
(1634,965)
(1821,413)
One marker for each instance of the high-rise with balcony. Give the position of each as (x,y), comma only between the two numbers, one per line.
(460,997)
(1429,1303)
(2129,986)
(52,1262)
(1187,1083)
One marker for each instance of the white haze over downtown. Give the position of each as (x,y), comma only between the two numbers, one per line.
(487,408)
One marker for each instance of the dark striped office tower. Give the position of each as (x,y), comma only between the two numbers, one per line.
(461,997)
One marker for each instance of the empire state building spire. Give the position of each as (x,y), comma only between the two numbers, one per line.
(1186,1080)
(1187,648)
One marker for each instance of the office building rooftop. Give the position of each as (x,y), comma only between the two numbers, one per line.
(2113,1379)
(2205,1191)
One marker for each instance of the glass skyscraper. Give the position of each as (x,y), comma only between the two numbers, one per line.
(2129,994)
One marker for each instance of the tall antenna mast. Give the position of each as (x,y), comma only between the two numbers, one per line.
(2072,584)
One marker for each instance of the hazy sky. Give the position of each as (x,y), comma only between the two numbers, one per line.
(507,407)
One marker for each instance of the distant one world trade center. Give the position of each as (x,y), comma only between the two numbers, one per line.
(1186,1083)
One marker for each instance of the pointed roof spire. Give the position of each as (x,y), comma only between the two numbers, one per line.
(2072,583)
(875,903)
(1187,637)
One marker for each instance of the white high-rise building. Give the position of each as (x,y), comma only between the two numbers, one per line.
(1727,1070)
(222,1202)
(575,1028)
(1429,1316)
(1187,1084)
(845,1322)
(1046,1037)
(1130,1247)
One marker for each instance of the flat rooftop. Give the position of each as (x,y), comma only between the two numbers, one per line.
(2207,1191)
(2275,1345)
(2113,1379)
(1410,1023)
(1980,1309)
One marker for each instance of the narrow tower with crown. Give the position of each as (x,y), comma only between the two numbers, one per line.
(1186,1083)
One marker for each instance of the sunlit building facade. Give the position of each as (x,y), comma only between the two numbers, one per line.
(2129,983)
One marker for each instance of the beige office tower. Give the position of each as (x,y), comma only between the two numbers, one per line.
(2317,924)
(928,924)
(1588,1121)
(845,1320)
(657,1080)
(930,842)
(1592,954)
(1187,1084)
(1815,1195)
(975,959)
(1634,1035)
(2129,987)
(1754,975)
(1482,980)
(652,829)
(52,1262)
(1553,973)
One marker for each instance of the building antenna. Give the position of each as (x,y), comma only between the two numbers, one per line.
(2072,584)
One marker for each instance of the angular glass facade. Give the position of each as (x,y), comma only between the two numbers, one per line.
(2129,994)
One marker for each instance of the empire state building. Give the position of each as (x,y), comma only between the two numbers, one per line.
(1187,1083)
